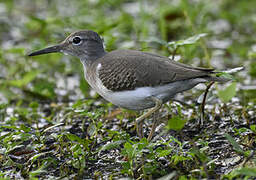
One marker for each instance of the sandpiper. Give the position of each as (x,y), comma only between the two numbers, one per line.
(131,79)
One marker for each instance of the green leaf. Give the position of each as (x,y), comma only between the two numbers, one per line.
(234,144)
(10,127)
(27,78)
(34,105)
(75,138)
(112,145)
(179,158)
(227,94)
(188,41)
(183,177)
(36,156)
(200,154)
(128,148)
(44,88)
(3,106)
(16,51)
(77,104)
(246,171)
(165,152)
(38,171)
(176,123)
(253,128)
(25,128)
(225,75)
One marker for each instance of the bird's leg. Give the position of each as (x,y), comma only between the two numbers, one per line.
(154,125)
(140,126)
(139,120)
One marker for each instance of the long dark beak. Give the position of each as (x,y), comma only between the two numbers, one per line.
(52,49)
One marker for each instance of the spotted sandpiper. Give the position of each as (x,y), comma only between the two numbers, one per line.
(131,79)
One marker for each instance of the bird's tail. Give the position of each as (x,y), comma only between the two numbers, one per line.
(224,76)
(219,79)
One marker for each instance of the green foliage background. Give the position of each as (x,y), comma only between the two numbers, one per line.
(41,92)
(142,25)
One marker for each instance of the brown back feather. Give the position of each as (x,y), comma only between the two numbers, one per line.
(127,69)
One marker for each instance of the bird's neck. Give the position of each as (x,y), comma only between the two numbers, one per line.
(94,51)
(95,54)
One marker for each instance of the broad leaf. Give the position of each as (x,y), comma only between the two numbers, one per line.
(227,94)
(176,123)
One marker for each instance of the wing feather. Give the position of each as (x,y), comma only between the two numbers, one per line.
(127,70)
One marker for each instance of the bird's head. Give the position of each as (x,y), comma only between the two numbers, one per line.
(86,45)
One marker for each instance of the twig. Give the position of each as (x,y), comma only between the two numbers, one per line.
(203,103)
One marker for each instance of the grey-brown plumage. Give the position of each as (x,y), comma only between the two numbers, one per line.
(129,69)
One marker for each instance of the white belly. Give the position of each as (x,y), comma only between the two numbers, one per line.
(140,98)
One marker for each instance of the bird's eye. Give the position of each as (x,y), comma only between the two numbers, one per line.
(76,40)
